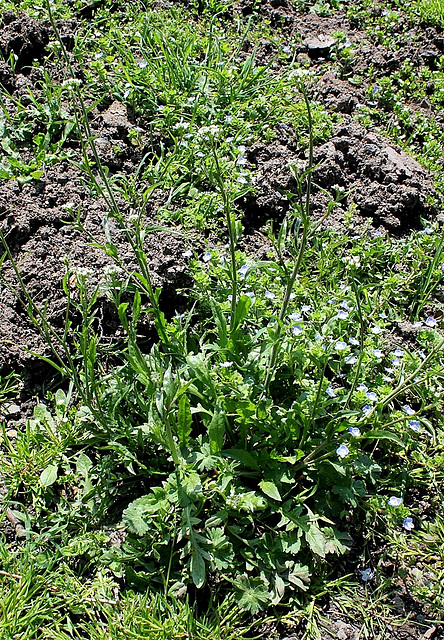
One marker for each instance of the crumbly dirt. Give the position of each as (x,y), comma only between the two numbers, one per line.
(381,187)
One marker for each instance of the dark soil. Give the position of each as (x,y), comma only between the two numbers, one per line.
(384,187)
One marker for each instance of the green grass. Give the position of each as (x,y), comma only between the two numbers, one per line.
(244,467)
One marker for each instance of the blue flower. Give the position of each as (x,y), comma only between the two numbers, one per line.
(295,317)
(377,353)
(408,410)
(207,256)
(342,315)
(226,364)
(354,431)
(366,409)
(430,322)
(351,360)
(269,295)
(342,451)
(408,524)
(296,330)
(376,330)
(362,387)
(330,391)
(243,270)
(414,425)
(394,501)
(353,341)
(398,353)
(340,345)
(367,574)
(371,395)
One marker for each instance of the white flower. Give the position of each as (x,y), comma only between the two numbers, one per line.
(430,322)
(296,330)
(340,345)
(226,364)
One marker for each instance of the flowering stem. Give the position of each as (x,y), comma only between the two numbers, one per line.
(231,236)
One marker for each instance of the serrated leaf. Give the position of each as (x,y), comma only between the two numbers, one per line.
(300,577)
(49,475)
(316,540)
(270,489)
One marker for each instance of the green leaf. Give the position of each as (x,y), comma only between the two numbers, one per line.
(198,570)
(49,475)
(184,420)
(379,434)
(242,308)
(270,489)
(137,305)
(242,456)
(316,540)
(216,430)
(220,321)
(83,465)
(299,576)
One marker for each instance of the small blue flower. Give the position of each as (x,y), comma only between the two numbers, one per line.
(371,395)
(207,256)
(269,295)
(286,49)
(295,317)
(306,308)
(353,341)
(330,391)
(342,315)
(430,322)
(355,432)
(366,409)
(187,254)
(242,180)
(362,387)
(376,330)
(243,270)
(408,410)
(414,425)
(417,324)
(408,524)
(342,451)
(351,360)
(340,345)
(398,353)
(367,574)
(377,353)
(242,161)
(394,501)
(226,364)
(296,330)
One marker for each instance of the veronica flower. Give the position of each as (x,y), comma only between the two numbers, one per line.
(353,341)
(408,524)
(243,270)
(398,353)
(351,360)
(207,256)
(414,425)
(377,353)
(376,330)
(371,395)
(408,410)
(396,362)
(430,322)
(342,315)
(340,345)
(296,330)
(226,364)
(269,295)
(417,324)
(362,387)
(367,574)
(354,431)
(306,308)
(342,451)
(394,501)
(330,392)
(187,254)
(366,409)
